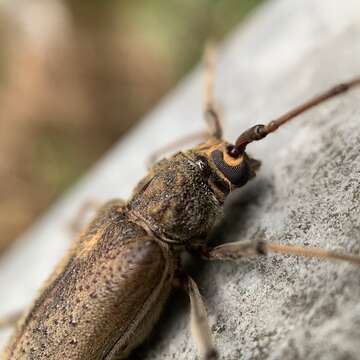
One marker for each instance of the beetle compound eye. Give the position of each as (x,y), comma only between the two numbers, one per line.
(238,174)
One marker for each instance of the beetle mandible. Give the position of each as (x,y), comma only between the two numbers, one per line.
(104,297)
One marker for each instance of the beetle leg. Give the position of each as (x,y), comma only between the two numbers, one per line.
(10,319)
(235,250)
(211,112)
(86,210)
(89,206)
(199,136)
(200,328)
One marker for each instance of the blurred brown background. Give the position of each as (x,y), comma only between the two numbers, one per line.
(76,75)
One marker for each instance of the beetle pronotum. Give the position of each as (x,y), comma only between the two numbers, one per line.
(107,293)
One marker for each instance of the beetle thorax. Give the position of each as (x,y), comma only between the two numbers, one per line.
(176,202)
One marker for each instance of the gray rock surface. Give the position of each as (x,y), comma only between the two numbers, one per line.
(307,192)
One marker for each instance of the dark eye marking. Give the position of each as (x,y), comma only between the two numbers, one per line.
(238,175)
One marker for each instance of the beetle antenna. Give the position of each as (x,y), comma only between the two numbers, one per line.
(258,132)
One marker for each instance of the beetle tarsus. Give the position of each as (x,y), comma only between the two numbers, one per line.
(200,328)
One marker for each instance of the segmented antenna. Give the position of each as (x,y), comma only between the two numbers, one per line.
(258,132)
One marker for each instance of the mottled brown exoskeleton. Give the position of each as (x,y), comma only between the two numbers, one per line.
(107,293)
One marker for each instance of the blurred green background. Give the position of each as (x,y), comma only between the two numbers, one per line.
(76,75)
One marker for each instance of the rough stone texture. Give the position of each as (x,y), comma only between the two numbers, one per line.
(306,193)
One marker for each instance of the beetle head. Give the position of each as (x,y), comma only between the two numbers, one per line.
(226,167)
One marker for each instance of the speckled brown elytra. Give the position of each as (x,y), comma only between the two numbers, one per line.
(104,297)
